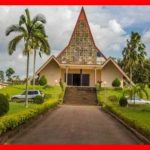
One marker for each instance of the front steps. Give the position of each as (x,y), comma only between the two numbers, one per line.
(80,96)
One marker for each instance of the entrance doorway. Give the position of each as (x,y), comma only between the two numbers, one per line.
(78,79)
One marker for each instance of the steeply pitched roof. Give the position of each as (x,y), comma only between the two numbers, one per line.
(81,38)
(46,63)
(118,68)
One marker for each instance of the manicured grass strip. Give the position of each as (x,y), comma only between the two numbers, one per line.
(138,116)
(13,120)
(18,89)
(18,114)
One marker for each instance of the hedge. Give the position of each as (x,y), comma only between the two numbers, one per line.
(14,120)
(119,113)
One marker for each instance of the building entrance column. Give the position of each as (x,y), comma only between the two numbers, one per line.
(95,75)
(80,77)
(67,75)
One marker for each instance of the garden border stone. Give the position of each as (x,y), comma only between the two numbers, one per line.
(134,131)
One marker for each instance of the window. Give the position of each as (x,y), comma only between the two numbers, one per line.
(32,92)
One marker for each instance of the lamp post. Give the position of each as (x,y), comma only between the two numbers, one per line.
(56,82)
(105,83)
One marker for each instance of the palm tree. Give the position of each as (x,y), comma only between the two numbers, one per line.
(134,53)
(136,90)
(42,45)
(28,31)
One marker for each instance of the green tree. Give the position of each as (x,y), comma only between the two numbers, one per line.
(120,62)
(116,83)
(2,76)
(141,74)
(29,31)
(43,81)
(136,90)
(9,73)
(134,53)
(40,45)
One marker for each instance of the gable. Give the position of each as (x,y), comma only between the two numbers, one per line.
(112,64)
(52,59)
(81,48)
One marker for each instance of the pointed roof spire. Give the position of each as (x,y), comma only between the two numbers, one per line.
(82,19)
(81,48)
(82,14)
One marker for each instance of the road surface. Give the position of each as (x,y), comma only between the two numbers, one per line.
(76,125)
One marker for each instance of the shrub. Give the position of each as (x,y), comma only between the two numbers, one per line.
(123,101)
(116,83)
(113,98)
(42,81)
(118,88)
(14,120)
(47,96)
(38,100)
(47,87)
(8,97)
(99,85)
(61,84)
(4,104)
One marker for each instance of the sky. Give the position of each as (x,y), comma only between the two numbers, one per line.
(111,26)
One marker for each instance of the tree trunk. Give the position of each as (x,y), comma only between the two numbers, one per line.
(27,77)
(34,69)
(131,73)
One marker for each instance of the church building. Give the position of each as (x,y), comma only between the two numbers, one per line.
(81,63)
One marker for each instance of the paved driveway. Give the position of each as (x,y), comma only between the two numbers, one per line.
(77,125)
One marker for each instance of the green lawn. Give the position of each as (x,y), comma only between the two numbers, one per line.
(18,114)
(18,89)
(136,115)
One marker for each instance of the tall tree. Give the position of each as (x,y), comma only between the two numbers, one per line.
(134,53)
(2,76)
(9,72)
(40,45)
(136,90)
(120,62)
(141,74)
(29,30)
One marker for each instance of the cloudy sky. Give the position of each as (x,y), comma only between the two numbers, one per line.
(110,26)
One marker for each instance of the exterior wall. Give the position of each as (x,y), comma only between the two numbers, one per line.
(109,73)
(98,75)
(52,73)
(2,86)
(84,71)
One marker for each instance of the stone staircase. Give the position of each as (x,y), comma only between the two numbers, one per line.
(80,96)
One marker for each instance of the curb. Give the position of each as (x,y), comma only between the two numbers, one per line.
(134,131)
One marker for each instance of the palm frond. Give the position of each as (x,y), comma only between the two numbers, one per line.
(15,28)
(39,18)
(22,20)
(38,27)
(28,16)
(40,54)
(45,47)
(13,43)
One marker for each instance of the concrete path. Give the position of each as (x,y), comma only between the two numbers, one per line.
(76,125)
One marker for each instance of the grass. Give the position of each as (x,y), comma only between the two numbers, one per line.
(18,114)
(137,116)
(18,89)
